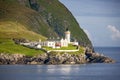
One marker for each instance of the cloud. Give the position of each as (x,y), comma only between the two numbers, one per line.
(115,32)
(88,33)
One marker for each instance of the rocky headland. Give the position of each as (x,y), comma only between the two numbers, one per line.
(54,58)
(98,58)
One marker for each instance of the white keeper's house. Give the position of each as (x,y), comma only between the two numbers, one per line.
(57,43)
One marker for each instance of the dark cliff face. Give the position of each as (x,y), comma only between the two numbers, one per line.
(45,17)
(34,5)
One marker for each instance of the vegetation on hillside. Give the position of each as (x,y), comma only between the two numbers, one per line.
(81,51)
(59,18)
(13,11)
(8,46)
(34,20)
(70,47)
(11,30)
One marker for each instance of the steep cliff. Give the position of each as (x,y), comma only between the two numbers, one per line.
(58,17)
(37,19)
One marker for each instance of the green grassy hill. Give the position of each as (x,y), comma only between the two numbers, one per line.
(37,19)
(59,18)
(10,29)
(13,11)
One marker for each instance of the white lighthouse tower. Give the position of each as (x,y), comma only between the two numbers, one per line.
(67,35)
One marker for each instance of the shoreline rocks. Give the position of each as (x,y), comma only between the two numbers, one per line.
(65,58)
(98,58)
(54,58)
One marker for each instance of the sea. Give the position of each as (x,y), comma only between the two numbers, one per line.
(91,71)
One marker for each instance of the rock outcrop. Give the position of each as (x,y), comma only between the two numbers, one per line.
(21,59)
(65,58)
(98,58)
(42,59)
(54,58)
(10,59)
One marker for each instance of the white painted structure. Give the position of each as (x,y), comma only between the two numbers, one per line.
(57,43)
(48,43)
(38,46)
(75,43)
(53,43)
(64,50)
(64,42)
(67,35)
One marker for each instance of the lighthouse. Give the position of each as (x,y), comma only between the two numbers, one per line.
(67,35)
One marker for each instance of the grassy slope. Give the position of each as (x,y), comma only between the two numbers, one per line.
(11,30)
(81,51)
(62,18)
(11,10)
(18,21)
(15,22)
(8,46)
(70,47)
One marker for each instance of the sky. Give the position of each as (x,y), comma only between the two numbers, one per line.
(100,19)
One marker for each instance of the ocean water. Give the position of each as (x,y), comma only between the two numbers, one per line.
(95,71)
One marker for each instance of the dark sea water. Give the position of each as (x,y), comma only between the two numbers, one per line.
(96,71)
